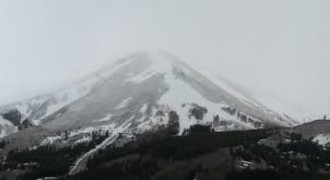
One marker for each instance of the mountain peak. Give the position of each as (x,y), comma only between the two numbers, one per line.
(160,60)
(149,62)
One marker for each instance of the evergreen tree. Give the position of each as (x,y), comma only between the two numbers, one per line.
(173,123)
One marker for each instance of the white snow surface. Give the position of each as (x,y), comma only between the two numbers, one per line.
(89,130)
(5,122)
(142,76)
(50,140)
(6,127)
(105,118)
(144,108)
(154,121)
(84,139)
(160,64)
(322,139)
(180,92)
(124,103)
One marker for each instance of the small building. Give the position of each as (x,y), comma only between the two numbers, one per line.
(244,165)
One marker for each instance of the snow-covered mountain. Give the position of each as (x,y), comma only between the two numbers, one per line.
(136,93)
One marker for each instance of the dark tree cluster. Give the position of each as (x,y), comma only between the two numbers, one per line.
(242,117)
(3,144)
(197,111)
(25,124)
(198,128)
(14,116)
(290,158)
(173,125)
(254,152)
(253,175)
(142,168)
(316,157)
(256,124)
(216,119)
(229,110)
(175,148)
(274,175)
(50,160)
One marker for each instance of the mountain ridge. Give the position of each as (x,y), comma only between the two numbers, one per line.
(159,71)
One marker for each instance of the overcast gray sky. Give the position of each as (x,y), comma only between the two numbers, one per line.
(279,46)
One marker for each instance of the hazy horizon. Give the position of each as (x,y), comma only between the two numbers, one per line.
(278,47)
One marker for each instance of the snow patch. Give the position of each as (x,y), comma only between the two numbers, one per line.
(141,77)
(105,118)
(84,139)
(155,120)
(160,64)
(6,127)
(89,130)
(50,140)
(123,103)
(5,122)
(144,108)
(322,139)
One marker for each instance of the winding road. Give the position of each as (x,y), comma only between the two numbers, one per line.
(81,163)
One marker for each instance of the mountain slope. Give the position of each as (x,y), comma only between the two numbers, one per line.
(264,101)
(38,108)
(137,93)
